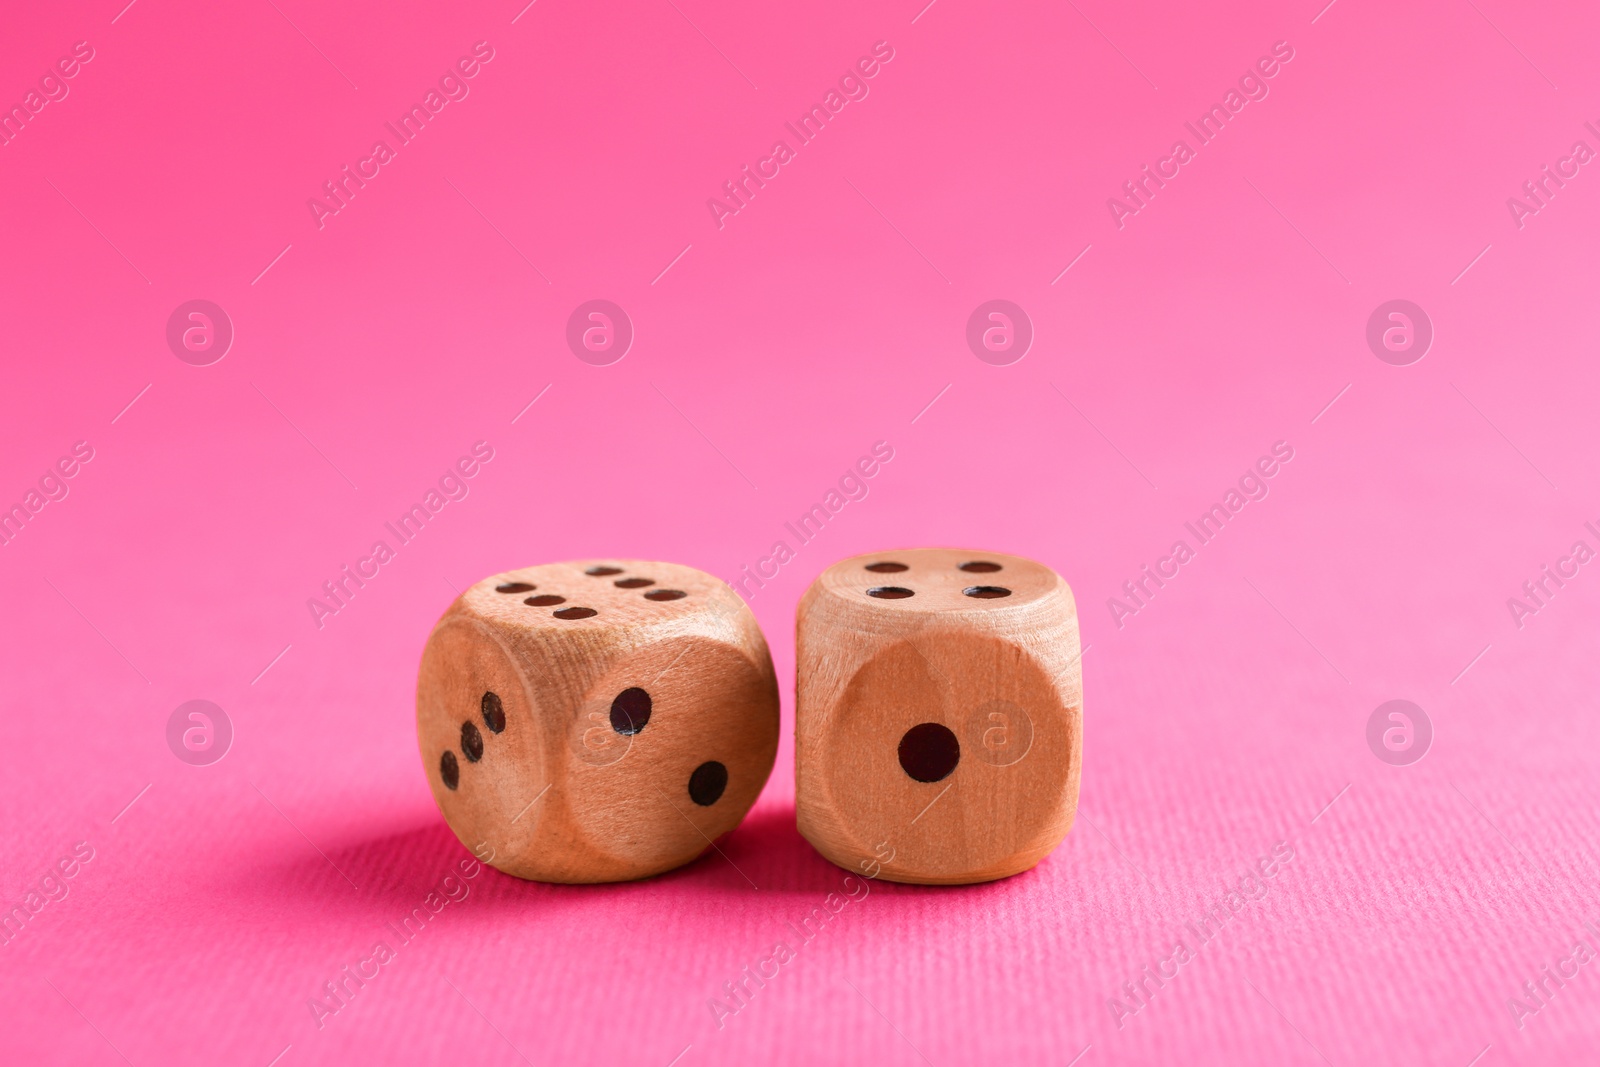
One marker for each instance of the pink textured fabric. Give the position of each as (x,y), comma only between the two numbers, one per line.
(1184,313)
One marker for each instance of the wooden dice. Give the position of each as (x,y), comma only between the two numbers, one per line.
(939,715)
(598,720)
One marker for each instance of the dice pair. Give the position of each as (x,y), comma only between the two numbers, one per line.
(605,720)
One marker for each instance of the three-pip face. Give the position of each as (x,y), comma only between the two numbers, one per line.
(938,722)
(597,720)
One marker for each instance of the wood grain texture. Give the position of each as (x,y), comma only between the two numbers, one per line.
(561,793)
(999,671)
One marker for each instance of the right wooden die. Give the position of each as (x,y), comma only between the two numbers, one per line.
(938,714)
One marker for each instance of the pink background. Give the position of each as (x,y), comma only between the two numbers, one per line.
(824,316)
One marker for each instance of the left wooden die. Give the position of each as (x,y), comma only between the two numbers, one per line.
(598,720)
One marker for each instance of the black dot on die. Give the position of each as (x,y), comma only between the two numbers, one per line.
(575,613)
(707,783)
(449,770)
(471,742)
(886,568)
(633,583)
(513,587)
(890,592)
(979,566)
(494,712)
(987,592)
(630,711)
(929,752)
(665,594)
(545,600)
(602,572)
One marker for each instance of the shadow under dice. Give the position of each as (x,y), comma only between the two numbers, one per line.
(596,721)
(938,732)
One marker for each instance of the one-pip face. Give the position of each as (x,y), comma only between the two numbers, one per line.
(940,724)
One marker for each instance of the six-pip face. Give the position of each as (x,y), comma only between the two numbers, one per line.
(596,720)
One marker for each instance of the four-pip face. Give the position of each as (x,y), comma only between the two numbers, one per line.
(938,721)
(597,720)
